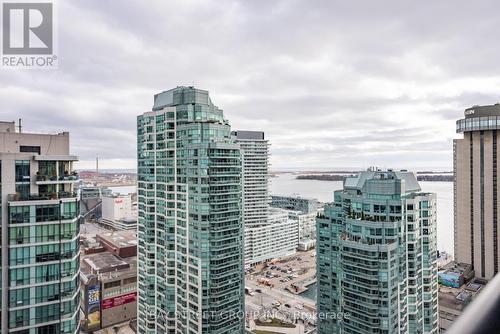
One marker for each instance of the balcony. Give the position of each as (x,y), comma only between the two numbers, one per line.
(41,197)
(54,179)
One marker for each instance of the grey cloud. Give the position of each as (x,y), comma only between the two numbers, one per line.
(332,83)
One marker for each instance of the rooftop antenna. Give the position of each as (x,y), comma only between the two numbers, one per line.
(20,125)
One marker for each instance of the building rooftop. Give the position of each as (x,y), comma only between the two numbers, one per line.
(366,181)
(479,118)
(482,111)
(295,196)
(248,135)
(120,239)
(7,126)
(102,263)
(458,298)
(180,95)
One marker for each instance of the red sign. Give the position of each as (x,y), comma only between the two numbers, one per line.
(118,201)
(120,300)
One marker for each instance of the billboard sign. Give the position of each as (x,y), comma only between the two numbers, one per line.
(93,306)
(120,300)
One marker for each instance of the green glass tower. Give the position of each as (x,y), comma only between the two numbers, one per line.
(376,257)
(190,233)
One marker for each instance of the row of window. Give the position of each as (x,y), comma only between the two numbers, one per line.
(41,314)
(42,273)
(42,213)
(42,253)
(42,294)
(42,233)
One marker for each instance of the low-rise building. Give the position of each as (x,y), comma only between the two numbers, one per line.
(453,301)
(457,288)
(305,224)
(295,202)
(109,281)
(118,212)
(90,199)
(120,243)
(303,211)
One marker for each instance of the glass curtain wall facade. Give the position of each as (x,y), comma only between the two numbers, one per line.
(190,233)
(376,257)
(40,237)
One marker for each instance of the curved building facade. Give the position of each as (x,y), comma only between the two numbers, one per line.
(376,257)
(190,231)
(475,164)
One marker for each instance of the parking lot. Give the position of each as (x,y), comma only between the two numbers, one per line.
(293,273)
(273,291)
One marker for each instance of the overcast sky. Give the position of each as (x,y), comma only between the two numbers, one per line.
(332,83)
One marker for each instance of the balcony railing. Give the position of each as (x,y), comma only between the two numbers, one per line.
(482,316)
(67,177)
(41,197)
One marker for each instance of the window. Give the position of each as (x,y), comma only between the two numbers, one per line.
(129,280)
(22,170)
(47,168)
(47,213)
(111,284)
(29,149)
(23,189)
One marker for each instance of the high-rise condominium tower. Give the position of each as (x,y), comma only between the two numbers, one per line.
(40,286)
(190,226)
(269,233)
(255,158)
(476,189)
(376,257)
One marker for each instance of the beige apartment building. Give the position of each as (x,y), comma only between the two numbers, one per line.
(476,189)
(39,246)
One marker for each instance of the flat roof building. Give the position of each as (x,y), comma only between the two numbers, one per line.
(39,233)
(118,212)
(120,243)
(457,289)
(109,290)
(295,202)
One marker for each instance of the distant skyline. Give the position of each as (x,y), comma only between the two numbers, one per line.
(332,84)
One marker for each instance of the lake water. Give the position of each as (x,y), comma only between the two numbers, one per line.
(287,184)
